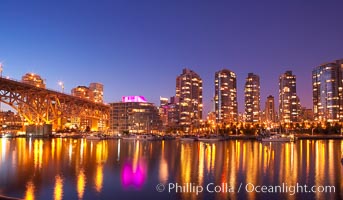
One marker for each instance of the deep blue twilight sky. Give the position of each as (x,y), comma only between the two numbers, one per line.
(139,47)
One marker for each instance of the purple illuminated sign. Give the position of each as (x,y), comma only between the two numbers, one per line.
(133,99)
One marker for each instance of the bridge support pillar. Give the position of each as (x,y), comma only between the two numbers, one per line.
(34,130)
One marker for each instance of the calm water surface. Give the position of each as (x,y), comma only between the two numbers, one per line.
(118,169)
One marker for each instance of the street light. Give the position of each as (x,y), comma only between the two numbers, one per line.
(62,85)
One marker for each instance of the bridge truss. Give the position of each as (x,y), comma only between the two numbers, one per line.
(43,106)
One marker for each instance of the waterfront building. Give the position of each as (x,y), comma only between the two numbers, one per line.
(134,115)
(226,107)
(10,122)
(252,98)
(94,92)
(306,115)
(173,114)
(81,91)
(164,101)
(327,92)
(33,79)
(189,95)
(241,117)
(288,100)
(263,116)
(270,112)
(169,114)
(163,110)
(211,118)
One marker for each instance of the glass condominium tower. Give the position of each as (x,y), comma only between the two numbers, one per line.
(226,96)
(189,93)
(327,92)
(252,98)
(288,100)
(270,110)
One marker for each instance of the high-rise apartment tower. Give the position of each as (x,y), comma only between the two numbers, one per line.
(225,98)
(252,98)
(288,99)
(327,89)
(189,93)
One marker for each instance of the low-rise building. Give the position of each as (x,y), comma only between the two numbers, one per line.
(10,121)
(134,115)
(33,79)
(94,92)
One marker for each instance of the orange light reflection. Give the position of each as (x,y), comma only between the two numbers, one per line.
(58,191)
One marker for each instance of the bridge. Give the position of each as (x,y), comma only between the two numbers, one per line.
(44,106)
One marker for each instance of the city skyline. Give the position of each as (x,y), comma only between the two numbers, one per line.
(139,49)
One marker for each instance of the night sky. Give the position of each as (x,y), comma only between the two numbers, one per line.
(139,47)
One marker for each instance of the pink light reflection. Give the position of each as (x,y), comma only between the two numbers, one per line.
(131,177)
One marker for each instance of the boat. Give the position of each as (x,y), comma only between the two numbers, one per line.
(168,137)
(75,135)
(72,135)
(188,138)
(129,137)
(210,138)
(98,136)
(113,137)
(147,137)
(278,138)
(94,137)
(8,135)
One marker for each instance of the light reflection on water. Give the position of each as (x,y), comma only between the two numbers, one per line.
(80,169)
(58,191)
(81,183)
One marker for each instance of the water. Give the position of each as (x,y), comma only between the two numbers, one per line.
(116,169)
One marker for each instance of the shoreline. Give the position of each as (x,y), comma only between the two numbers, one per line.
(319,137)
(298,137)
(227,137)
